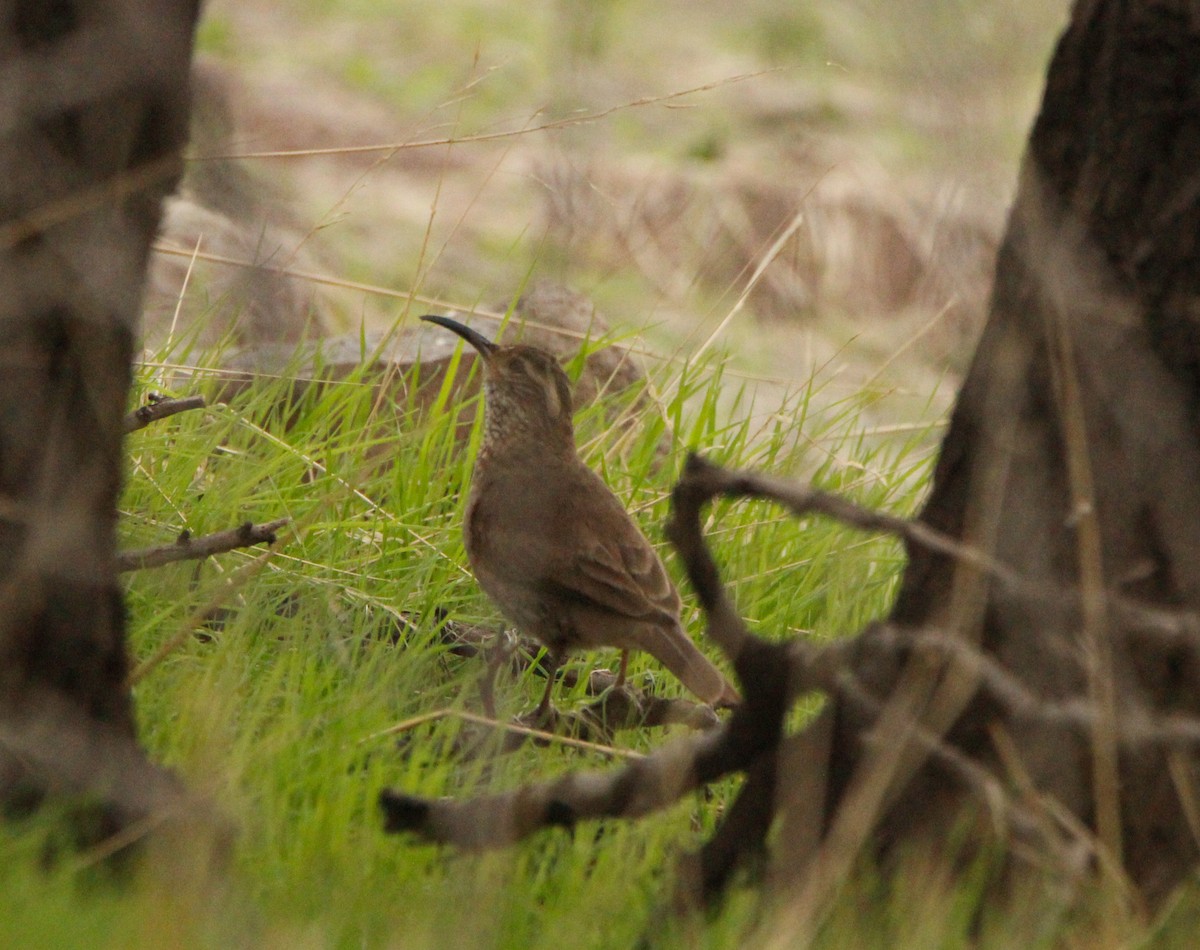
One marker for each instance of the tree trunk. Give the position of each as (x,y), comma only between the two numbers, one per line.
(93,120)
(1073,456)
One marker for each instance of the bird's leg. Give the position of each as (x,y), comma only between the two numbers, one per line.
(497,654)
(621,671)
(543,710)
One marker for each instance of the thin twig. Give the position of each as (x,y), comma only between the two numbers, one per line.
(159,407)
(413,722)
(563,123)
(187,548)
(713,480)
(1096,641)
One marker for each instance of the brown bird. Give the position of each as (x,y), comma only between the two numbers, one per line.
(550,543)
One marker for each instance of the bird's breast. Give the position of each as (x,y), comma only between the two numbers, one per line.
(512,526)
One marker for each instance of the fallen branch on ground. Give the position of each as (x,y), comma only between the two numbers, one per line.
(645,785)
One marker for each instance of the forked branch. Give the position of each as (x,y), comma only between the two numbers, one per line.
(771,676)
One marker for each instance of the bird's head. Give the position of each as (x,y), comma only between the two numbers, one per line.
(526,391)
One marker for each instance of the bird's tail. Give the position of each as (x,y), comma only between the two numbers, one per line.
(674,649)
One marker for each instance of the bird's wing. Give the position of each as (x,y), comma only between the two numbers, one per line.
(627,579)
(584,549)
(623,575)
(614,565)
(580,544)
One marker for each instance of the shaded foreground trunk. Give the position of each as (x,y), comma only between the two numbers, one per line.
(1073,455)
(92,126)
(1039,676)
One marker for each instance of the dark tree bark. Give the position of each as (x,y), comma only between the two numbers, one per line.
(92,124)
(1073,454)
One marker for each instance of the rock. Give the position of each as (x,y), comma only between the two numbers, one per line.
(549,316)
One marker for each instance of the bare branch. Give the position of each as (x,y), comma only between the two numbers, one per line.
(709,481)
(827,668)
(659,780)
(643,786)
(1135,727)
(702,481)
(187,548)
(650,784)
(772,676)
(159,407)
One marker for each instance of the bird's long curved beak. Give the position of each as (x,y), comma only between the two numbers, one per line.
(485,346)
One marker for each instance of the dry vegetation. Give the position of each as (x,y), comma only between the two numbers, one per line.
(826,202)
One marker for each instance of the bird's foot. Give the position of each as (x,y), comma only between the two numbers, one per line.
(543,717)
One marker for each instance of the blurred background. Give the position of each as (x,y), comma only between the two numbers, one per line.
(815,190)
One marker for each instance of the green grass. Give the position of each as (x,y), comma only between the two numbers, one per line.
(274,712)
